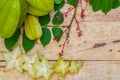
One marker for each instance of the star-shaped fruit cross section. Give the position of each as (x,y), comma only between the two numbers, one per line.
(43,69)
(75,66)
(14,59)
(61,67)
(28,66)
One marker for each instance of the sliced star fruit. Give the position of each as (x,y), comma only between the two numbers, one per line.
(43,69)
(28,66)
(75,67)
(61,67)
(14,59)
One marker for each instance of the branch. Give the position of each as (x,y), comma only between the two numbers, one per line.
(67,32)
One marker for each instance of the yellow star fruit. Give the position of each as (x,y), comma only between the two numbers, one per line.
(61,67)
(75,66)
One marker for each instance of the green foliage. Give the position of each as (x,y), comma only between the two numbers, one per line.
(72,2)
(97,5)
(27,43)
(59,6)
(58,1)
(44,20)
(104,5)
(58,18)
(116,3)
(91,2)
(46,37)
(57,33)
(10,42)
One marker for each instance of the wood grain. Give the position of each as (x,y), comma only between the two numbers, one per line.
(91,71)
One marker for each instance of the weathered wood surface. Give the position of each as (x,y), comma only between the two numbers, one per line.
(97,29)
(90,71)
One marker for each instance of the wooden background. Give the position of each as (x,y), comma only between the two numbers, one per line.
(102,63)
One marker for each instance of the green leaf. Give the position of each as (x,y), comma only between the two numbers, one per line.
(46,37)
(72,2)
(59,6)
(58,1)
(58,18)
(115,4)
(10,42)
(57,33)
(91,2)
(44,20)
(106,6)
(96,5)
(27,43)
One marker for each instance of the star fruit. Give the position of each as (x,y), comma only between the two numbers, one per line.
(35,11)
(28,66)
(40,7)
(43,69)
(75,67)
(23,12)
(45,5)
(9,17)
(14,59)
(61,67)
(33,29)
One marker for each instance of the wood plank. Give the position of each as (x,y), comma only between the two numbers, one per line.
(91,71)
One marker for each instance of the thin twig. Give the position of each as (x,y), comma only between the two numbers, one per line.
(67,31)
